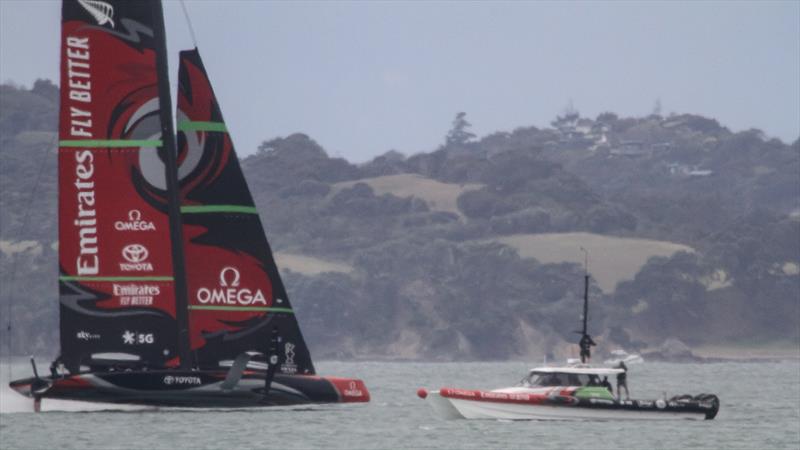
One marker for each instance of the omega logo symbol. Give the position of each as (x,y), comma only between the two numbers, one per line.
(223,280)
(134,215)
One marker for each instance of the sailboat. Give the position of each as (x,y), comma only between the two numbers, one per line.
(169,293)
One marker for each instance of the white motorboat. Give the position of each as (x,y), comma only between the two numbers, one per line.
(619,355)
(575,391)
(564,393)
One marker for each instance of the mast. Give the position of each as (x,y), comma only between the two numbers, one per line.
(586,342)
(169,153)
(585,290)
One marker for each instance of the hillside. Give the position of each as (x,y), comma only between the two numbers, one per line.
(614,259)
(472,251)
(437,195)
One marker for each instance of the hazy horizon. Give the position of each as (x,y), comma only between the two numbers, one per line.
(363,78)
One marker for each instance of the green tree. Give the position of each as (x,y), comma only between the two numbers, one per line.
(459,134)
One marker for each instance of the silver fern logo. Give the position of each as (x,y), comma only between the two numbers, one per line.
(102,12)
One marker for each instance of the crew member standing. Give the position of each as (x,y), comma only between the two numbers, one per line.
(622,381)
(586,344)
(607,384)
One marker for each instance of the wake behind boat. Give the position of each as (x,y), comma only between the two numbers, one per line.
(169,292)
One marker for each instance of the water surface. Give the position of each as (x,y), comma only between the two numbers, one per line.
(760,408)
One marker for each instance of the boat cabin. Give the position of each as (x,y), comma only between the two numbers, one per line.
(568,376)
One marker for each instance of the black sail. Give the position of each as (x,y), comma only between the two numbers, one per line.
(236,296)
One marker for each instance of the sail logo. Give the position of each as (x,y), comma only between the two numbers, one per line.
(86,336)
(135,338)
(288,365)
(135,294)
(134,223)
(102,12)
(229,292)
(136,257)
(353,390)
(234,281)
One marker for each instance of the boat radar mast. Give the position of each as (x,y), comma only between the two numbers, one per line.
(586,341)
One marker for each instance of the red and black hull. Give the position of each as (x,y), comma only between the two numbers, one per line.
(194,389)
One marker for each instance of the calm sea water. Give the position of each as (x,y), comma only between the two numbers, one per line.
(760,410)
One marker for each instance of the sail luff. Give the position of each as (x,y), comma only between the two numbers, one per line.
(169,152)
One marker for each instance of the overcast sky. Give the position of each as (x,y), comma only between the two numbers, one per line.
(362,78)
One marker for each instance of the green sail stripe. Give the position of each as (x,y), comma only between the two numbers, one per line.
(78,278)
(187,125)
(110,143)
(241,308)
(201,209)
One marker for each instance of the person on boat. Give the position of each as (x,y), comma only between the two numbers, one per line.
(622,381)
(54,368)
(607,384)
(586,344)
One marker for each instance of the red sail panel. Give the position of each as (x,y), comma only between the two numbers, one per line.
(116,275)
(236,296)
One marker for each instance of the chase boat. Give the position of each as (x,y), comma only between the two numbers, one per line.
(564,393)
(571,392)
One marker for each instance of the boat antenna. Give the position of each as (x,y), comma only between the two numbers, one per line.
(189,23)
(585,288)
(586,341)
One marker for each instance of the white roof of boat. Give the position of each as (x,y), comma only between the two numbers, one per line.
(579,370)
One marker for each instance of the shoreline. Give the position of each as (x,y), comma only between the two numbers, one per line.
(748,353)
(702,353)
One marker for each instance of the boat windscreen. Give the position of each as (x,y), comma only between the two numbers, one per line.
(560,379)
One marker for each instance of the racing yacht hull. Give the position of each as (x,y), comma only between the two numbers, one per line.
(194,389)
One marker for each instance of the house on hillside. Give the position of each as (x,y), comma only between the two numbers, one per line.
(630,149)
(683,170)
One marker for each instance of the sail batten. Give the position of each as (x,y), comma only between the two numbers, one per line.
(241,308)
(95,279)
(110,143)
(202,126)
(208,209)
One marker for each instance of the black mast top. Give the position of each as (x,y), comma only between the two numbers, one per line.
(585,290)
(169,154)
(586,341)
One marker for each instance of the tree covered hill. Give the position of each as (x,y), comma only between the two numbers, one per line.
(439,254)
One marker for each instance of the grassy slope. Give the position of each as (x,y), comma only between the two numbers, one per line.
(439,196)
(618,258)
